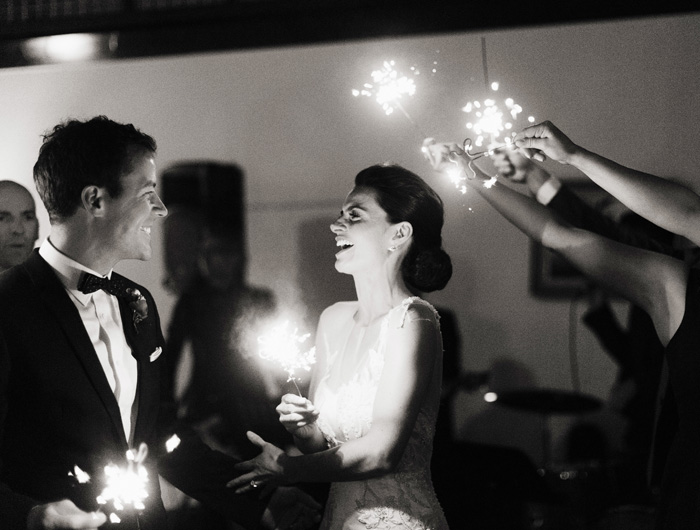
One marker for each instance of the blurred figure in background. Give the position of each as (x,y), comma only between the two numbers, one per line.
(220,384)
(217,320)
(19,226)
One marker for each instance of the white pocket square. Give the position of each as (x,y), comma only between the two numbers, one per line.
(156,353)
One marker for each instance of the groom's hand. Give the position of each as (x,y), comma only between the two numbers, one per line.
(290,509)
(62,515)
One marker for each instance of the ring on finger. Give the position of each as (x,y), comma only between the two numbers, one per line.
(254,484)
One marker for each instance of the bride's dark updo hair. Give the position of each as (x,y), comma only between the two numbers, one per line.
(404,196)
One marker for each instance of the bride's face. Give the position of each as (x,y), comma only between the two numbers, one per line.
(362,232)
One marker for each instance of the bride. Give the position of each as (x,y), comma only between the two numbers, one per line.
(368,427)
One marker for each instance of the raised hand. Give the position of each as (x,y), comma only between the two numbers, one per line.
(298,415)
(511,164)
(61,515)
(438,154)
(449,155)
(547,141)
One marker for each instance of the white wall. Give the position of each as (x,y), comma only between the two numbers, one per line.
(627,89)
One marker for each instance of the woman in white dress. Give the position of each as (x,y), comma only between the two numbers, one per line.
(369,423)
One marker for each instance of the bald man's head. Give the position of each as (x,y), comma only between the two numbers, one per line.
(19,227)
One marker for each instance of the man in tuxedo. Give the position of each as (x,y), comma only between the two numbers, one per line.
(82,366)
(19,227)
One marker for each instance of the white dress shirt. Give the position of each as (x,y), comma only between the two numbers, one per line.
(99,312)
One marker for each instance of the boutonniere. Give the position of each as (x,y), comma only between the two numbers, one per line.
(138,305)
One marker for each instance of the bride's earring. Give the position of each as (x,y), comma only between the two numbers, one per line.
(392,248)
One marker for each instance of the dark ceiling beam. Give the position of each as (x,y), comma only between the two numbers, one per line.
(275,23)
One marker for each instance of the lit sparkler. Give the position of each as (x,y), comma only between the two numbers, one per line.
(283,346)
(493,123)
(81,476)
(126,487)
(388,87)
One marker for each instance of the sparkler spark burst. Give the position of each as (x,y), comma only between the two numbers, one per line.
(282,344)
(458,177)
(388,86)
(81,476)
(492,122)
(172,443)
(126,487)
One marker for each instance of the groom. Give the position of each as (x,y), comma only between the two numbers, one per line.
(81,351)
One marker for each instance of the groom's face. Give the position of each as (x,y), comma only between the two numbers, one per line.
(130,216)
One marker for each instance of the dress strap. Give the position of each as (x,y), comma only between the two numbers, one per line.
(415,300)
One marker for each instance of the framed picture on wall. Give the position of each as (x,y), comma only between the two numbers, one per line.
(551,276)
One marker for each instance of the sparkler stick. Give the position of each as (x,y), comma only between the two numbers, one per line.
(283,347)
(408,117)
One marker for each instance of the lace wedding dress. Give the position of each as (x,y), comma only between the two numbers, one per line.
(404,498)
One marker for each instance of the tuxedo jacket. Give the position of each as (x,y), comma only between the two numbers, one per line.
(57,410)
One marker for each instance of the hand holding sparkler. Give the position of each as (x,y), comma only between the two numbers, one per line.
(518,168)
(546,140)
(511,164)
(298,415)
(63,515)
(456,162)
(438,154)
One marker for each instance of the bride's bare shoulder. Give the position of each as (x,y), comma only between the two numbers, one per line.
(339,312)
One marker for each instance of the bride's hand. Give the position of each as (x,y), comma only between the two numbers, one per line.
(264,472)
(298,415)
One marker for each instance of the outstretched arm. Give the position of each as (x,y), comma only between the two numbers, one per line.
(650,280)
(560,198)
(667,204)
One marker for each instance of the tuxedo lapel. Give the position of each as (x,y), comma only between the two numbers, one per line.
(143,341)
(52,292)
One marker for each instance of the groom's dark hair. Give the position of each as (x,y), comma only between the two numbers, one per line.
(77,153)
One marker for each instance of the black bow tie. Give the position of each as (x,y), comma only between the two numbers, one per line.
(89,283)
